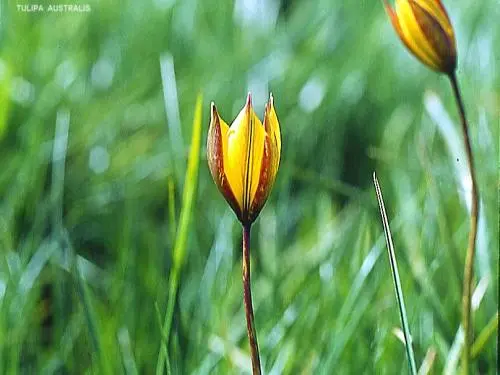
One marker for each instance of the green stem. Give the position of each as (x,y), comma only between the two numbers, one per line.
(247,298)
(474,214)
(167,324)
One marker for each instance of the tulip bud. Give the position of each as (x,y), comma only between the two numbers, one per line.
(244,158)
(425,29)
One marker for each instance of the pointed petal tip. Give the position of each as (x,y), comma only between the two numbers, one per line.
(248,105)
(249,99)
(213,109)
(269,105)
(214,116)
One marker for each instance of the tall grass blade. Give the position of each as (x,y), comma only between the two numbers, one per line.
(395,276)
(171,103)
(179,252)
(59,151)
(126,351)
(90,318)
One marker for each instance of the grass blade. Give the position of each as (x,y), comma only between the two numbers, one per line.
(126,351)
(179,252)
(395,276)
(428,362)
(91,319)
(171,206)
(451,363)
(485,335)
(171,103)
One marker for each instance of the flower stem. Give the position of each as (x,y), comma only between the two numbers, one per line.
(247,298)
(474,214)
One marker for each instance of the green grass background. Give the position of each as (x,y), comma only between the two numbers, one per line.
(96,120)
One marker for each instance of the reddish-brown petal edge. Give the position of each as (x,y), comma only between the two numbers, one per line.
(216,162)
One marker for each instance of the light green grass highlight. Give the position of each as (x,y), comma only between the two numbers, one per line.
(180,249)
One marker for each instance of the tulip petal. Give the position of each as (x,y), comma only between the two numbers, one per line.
(441,40)
(415,37)
(272,127)
(437,10)
(245,150)
(217,157)
(397,26)
(270,159)
(266,179)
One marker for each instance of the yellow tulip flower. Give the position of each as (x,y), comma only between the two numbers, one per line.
(425,29)
(244,158)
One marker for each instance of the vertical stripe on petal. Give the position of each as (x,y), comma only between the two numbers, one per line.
(245,150)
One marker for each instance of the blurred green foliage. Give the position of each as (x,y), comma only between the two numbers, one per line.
(96,111)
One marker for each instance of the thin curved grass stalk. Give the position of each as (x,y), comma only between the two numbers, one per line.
(397,282)
(471,247)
